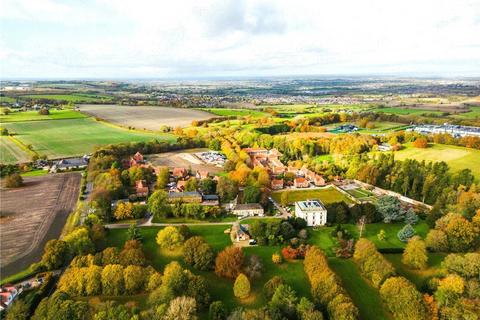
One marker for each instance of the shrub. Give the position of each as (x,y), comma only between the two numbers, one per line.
(169,237)
(13,181)
(241,288)
(292,253)
(44,112)
(276,258)
(406,233)
(217,311)
(271,285)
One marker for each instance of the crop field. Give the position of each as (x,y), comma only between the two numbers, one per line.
(27,225)
(474,113)
(145,117)
(11,152)
(407,111)
(457,158)
(73,137)
(220,288)
(327,195)
(34,116)
(75,98)
(224,112)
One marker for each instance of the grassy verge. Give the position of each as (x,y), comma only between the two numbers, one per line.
(17,277)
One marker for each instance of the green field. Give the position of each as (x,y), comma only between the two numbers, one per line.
(73,137)
(457,158)
(474,113)
(33,116)
(75,98)
(224,112)
(327,195)
(360,193)
(220,288)
(364,296)
(404,111)
(11,152)
(4,99)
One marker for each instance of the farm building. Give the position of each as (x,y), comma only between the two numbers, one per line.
(190,197)
(210,200)
(313,211)
(70,164)
(248,209)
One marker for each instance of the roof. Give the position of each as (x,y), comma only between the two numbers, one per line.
(210,197)
(300,180)
(247,206)
(277,182)
(310,205)
(184,194)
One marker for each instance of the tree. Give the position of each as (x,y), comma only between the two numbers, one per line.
(18,311)
(411,217)
(134,279)
(217,311)
(158,204)
(253,266)
(227,189)
(390,209)
(133,233)
(132,254)
(229,262)
(420,143)
(450,289)
(113,283)
(13,180)
(251,194)
(169,237)
(181,308)
(406,233)
(436,240)
(207,186)
(55,254)
(110,255)
(175,278)
(284,301)
(415,254)
(93,280)
(163,177)
(79,241)
(241,288)
(198,253)
(402,299)
(276,258)
(382,235)
(124,210)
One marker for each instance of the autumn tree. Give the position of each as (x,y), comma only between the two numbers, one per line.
(134,279)
(229,262)
(271,286)
(124,210)
(18,311)
(415,254)
(158,203)
(113,283)
(217,311)
(198,253)
(284,301)
(56,254)
(241,288)
(169,237)
(163,177)
(181,308)
(402,299)
(13,180)
(420,142)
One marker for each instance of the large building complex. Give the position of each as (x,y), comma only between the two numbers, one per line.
(454,130)
(313,211)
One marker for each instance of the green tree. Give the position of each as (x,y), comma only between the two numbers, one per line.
(55,255)
(217,311)
(158,204)
(18,311)
(415,254)
(241,288)
(227,189)
(175,278)
(390,209)
(382,235)
(133,233)
(169,237)
(163,177)
(134,279)
(284,300)
(284,198)
(271,286)
(198,253)
(406,233)
(79,241)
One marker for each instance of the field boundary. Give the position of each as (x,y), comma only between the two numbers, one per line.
(22,146)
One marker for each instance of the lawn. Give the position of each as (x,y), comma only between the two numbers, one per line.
(221,289)
(224,112)
(33,115)
(405,111)
(10,152)
(474,113)
(326,195)
(360,193)
(364,296)
(74,137)
(418,277)
(457,158)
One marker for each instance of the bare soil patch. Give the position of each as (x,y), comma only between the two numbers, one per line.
(183,158)
(32,215)
(145,117)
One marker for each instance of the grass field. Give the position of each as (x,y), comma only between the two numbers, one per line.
(405,111)
(474,113)
(360,193)
(327,195)
(73,137)
(224,112)
(33,115)
(4,99)
(457,158)
(219,288)
(364,296)
(76,98)
(10,152)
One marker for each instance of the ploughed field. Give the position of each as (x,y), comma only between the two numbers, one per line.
(183,158)
(145,117)
(32,215)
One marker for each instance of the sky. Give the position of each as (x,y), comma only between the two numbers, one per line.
(237,38)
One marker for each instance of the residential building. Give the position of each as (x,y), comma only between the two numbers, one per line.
(201,174)
(248,209)
(141,188)
(384,147)
(210,200)
(138,157)
(301,183)
(312,211)
(7,295)
(277,184)
(454,130)
(239,232)
(181,185)
(267,159)
(179,172)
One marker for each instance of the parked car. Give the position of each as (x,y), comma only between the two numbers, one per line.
(252,242)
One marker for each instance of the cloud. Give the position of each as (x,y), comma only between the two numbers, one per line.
(182,38)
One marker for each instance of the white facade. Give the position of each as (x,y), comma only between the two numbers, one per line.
(312,211)
(248,209)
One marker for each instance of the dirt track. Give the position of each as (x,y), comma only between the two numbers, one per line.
(145,117)
(32,215)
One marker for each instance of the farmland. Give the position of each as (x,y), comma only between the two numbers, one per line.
(27,225)
(34,116)
(457,158)
(73,137)
(145,117)
(224,112)
(326,195)
(11,152)
(75,98)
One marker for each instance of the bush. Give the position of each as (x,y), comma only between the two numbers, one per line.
(217,311)
(271,285)
(294,253)
(241,288)
(406,233)
(276,258)
(13,181)
(44,112)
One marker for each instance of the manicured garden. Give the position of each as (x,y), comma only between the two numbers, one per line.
(74,137)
